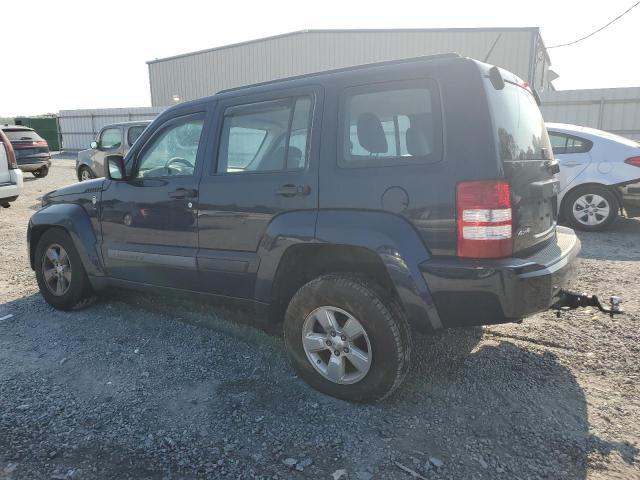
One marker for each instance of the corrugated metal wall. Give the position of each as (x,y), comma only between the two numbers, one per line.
(205,73)
(78,128)
(616,110)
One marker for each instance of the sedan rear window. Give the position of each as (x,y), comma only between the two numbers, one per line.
(19,135)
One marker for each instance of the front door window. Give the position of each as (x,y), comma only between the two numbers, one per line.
(110,139)
(173,153)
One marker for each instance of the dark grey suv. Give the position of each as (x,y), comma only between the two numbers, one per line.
(114,139)
(357,206)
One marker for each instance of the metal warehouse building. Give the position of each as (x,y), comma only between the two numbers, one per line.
(198,74)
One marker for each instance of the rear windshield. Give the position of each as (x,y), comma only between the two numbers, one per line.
(522,134)
(15,135)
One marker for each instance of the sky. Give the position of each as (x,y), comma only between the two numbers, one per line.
(68,54)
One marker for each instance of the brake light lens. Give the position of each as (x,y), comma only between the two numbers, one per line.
(635,161)
(484,219)
(34,143)
(11,157)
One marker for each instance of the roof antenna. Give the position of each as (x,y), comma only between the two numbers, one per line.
(492,47)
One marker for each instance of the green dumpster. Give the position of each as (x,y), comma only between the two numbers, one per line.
(47,128)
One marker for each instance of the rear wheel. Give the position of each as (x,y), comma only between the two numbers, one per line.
(591,208)
(346,340)
(84,174)
(59,271)
(43,172)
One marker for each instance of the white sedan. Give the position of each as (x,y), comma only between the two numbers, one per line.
(599,175)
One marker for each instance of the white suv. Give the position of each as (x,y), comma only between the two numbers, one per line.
(10,174)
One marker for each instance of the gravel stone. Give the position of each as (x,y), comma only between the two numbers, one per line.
(547,398)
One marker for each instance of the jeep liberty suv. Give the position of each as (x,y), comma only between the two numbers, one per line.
(358,205)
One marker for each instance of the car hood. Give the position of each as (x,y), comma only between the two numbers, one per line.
(81,189)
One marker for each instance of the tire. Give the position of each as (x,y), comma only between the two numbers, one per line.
(43,172)
(591,208)
(385,339)
(78,289)
(84,174)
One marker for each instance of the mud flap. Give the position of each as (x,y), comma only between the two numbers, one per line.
(570,300)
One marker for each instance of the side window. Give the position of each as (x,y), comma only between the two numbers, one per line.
(384,125)
(134,133)
(558,143)
(173,152)
(569,144)
(110,139)
(578,145)
(265,137)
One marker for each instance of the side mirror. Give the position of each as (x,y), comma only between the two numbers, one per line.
(94,145)
(115,167)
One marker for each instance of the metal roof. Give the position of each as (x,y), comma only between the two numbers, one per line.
(363,30)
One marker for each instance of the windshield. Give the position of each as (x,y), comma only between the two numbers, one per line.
(522,134)
(22,135)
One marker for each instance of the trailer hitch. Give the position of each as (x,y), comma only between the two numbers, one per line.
(570,300)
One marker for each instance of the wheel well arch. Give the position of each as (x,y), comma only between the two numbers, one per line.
(611,188)
(36,234)
(79,169)
(302,263)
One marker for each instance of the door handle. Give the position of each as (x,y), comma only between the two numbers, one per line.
(184,193)
(572,163)
(290,190)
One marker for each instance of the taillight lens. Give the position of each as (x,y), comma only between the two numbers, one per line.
(484,219)
(635,161)
(11,157)
(35,143)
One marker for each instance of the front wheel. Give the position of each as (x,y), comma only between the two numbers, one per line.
(59,271)
(591,208)
(84,174)
(346,340)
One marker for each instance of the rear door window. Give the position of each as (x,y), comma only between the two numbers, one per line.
(563,144)
(265,137)
(390,124)
(134,133)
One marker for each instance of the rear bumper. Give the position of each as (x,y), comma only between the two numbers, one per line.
(9,191)
(31,164)
(483,292)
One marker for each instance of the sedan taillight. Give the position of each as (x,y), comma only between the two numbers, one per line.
(635,161)
(11,156)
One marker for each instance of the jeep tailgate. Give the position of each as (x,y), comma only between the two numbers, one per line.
(527,162)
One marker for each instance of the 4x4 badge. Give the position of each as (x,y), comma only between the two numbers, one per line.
(523,231)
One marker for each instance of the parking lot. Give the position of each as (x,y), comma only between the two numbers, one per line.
(137,386)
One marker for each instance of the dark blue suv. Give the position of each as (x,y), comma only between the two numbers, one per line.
(357,205)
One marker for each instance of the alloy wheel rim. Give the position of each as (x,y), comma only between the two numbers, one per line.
(337,345)
(84,175)
(591,209)
(56,270)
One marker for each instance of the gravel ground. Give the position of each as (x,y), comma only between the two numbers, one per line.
(142,387)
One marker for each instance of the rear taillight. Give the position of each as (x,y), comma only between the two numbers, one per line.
(11,157)
(635,161)
(35,143)
(484,219)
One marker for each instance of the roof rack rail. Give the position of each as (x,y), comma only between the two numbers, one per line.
(436,56)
